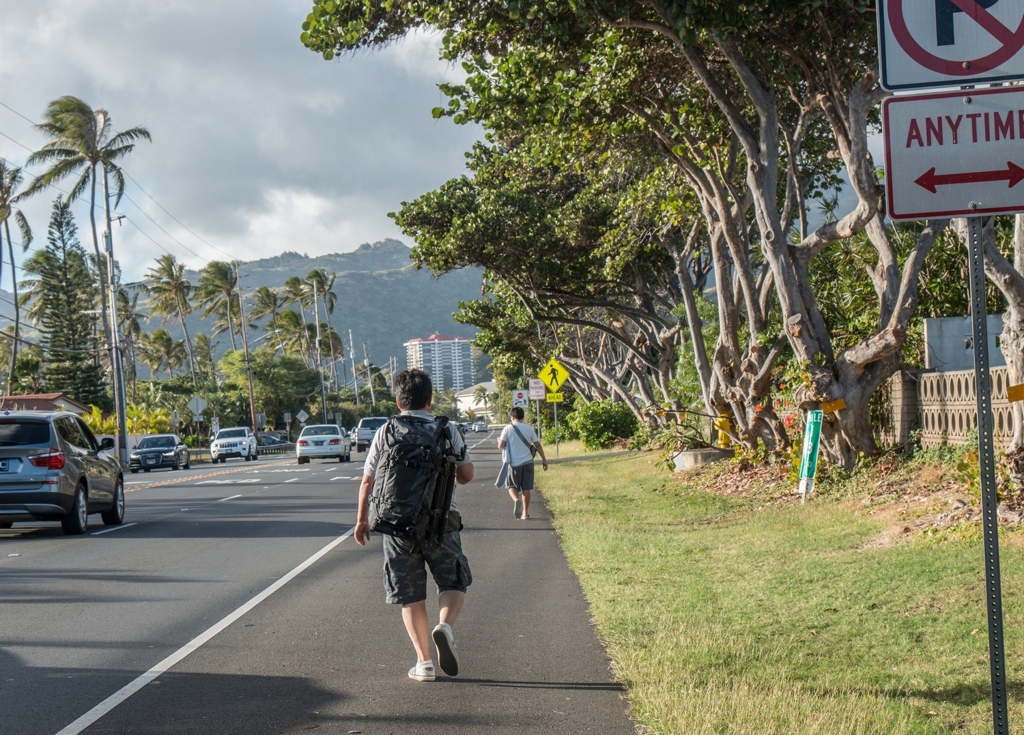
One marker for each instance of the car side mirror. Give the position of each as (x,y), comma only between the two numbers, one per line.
(107,443)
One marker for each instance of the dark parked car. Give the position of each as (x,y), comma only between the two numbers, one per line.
(162,450)
(269,440)
(52,468)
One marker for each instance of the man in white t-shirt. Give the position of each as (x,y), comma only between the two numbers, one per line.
(518,442)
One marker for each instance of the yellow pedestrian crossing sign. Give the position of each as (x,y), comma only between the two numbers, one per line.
(553,375)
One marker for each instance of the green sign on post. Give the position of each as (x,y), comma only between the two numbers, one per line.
(809,460)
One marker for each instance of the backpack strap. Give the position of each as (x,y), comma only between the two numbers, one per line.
(533,449)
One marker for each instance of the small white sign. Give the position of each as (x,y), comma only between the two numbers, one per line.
(302,416)
(955,154)
(197,404)
(537,389)
(520,399)
(950,43)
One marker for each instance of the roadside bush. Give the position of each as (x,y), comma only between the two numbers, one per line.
(600,423)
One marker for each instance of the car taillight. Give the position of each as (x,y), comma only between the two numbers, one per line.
(334,441)
(50,460)
(303,443)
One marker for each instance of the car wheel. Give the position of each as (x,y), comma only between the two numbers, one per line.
(115,516)
(134,471)
(256,456)
(175,467)
(145,470)
(75,522)
(188,461)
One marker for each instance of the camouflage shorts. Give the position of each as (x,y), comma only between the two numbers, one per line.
(405,573)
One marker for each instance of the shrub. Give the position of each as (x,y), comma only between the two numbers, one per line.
(600,423)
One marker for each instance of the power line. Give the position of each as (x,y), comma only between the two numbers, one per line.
(132,179)
(164,210)
(18,113)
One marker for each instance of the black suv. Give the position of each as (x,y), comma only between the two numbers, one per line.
(52,468)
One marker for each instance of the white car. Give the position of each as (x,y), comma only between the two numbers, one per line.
(323,441)
(479,426)
(238,441)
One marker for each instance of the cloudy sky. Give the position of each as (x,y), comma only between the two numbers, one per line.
(259,145)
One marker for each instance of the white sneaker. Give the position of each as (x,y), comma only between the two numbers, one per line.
(422,671)
(446,654)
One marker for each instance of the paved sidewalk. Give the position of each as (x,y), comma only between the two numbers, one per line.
(328,655)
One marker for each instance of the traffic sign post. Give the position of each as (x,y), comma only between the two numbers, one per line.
(537,393)
(954,154)
(957,155)
(987,475)
(949,43)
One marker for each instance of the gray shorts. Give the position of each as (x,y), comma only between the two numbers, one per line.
(405,562)
(521,477)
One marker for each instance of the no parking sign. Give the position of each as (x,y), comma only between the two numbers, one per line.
(950,43)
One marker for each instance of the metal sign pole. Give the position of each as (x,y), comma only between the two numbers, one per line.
(986,460)
(556,428)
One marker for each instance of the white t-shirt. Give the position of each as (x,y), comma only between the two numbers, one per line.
(518,452)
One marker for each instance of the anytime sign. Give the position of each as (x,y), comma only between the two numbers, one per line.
(956,154)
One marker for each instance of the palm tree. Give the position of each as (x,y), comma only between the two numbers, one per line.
(215,293)
(83,143)
(204,354)
(159,351)
(299,292)
(130,319)
(293,332)
(169,290)
(267,303)
(325,289)
(10,181)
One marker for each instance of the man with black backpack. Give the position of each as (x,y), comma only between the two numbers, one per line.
(407,494)
(519,442)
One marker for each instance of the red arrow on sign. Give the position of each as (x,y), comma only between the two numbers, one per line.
(1013,174)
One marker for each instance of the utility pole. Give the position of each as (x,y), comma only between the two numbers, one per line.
(248,362)
(352,356)
(114,343)
(319,353)
(369,375)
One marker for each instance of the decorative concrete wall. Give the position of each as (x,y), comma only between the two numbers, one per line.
(947,406)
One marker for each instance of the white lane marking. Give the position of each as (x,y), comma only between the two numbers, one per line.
(138,482)
(294,479)
(344,478)
(231,498)
(115,528)
(192,646)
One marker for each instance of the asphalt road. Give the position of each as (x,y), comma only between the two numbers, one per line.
(233,600)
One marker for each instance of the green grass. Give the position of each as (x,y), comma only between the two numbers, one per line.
(722,615)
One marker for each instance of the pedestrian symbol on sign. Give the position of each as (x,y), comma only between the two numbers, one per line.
(553,375)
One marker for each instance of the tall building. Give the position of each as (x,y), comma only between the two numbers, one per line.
(448,360)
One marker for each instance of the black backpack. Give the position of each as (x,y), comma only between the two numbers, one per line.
(417,458)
